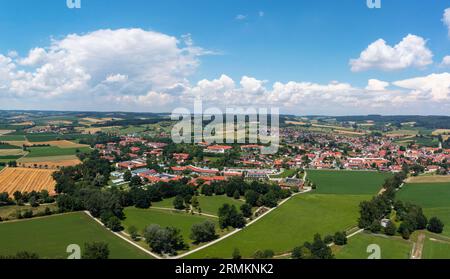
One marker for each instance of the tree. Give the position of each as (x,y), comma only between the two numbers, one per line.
(203,232)
(301,253)
(178,203)
(328,239)
(194,202)
(404,230)
(236,254)
(133,231)
(251,197)
(33,201)
(236,195)
(390,228)
(113,223)
(375,227)
(96,251)
(164,240)
(435,225)
(229,217)
(246,210)
(340,238)
(127,176)
(270,199)
(266,254)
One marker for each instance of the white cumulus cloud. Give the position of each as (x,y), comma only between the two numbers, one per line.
(412,51)
(446,19)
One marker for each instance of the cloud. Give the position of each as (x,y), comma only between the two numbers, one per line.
(240,17)
(376,85)
(99,63)
(435,87)
(446,19)
(445,61)
(410,52)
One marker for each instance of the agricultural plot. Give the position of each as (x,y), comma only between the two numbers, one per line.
(4,145)
(52,162)
(49,151)
(347,182)
(141,218)
(50,236)
(61,144)
(391,247)
(12,138)
(429,179)
(433,197)
(290,225)
(26,180)
(12,152)
(9,212)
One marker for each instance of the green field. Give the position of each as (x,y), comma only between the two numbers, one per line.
(7,159)
(8,212)
(436,250)
(12,138)
(433,197)
(209,205)
(49,151)
(7,146)
(141,218)
(50,236)
(290,225)
(391,248)
(347,182)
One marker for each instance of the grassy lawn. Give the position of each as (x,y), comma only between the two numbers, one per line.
(285,174)
(433,197)
(290,225)
(347,182)
(436,250)
(49,151)
(212,204)
(209,205)
(141,218)
(391,248)
(50,236)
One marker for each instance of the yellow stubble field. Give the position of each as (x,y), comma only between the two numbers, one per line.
(26,180)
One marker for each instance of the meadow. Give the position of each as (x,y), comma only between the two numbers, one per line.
(50,236)
(434,249)
(48,151)
(391,248)
(141,218)
(433,197)
(347,182)
(291,225)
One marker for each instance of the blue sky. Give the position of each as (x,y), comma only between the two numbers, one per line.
(270,41)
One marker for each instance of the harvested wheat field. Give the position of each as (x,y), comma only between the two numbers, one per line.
(26,180)
(59,143)
(54,162)
(429,179)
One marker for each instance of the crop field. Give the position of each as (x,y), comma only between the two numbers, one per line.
(391,247)
(433,197)
(61,144)
(26,180)
(290,225)
(12,138)
(54,151)
(12,152)
(50,236)
(52,162)
(4,145)
(429,179)
(141,218)
(347,182)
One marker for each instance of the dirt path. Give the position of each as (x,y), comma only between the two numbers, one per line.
(183,211)
(418,247)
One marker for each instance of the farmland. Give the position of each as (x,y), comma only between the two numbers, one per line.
(433,197)
(51,235)
(347,182)
(54,151)
(290,225)
(391,247)
(52,162)
(436,249)
(26,180)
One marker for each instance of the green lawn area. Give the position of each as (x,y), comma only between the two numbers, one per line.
(141,218)
(49,151)
(433,197)
(50,236)
(347,182)
(209,205)
(290,225)
(12,138)
(391,248)
(436,250)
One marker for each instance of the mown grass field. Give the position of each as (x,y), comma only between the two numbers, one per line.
(347,182)
(50,236)
(48,151)
(433,197)
(290,225)
(209,205)
(391,248)
(141,218)
(436,250)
